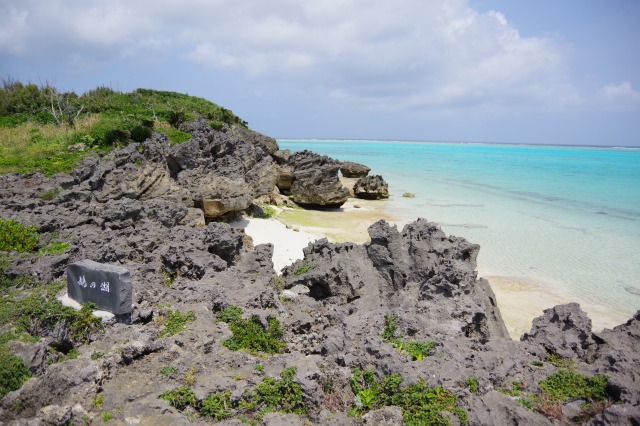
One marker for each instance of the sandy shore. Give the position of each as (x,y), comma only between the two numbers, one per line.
(520,299)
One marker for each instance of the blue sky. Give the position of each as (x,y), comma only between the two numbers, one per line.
(546,71)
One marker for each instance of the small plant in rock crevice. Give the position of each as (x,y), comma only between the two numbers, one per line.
(303,269)
(250,334)
(564,386)
(420,404)
(417,350)
(282,394)
(175,322)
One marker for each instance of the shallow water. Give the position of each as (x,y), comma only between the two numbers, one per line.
(566,217)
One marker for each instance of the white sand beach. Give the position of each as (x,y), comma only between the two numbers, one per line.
(520,299)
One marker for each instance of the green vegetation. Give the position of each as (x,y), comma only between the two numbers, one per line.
(39,312)
(563,386)
(420,404)
(267,211)
(218,406)
(54,247)
(24,239)
(168,370)
(303,269)
(516,387)
(106,416)
(98,400)
(50,194)
(417,350)
(180,397)
(250,334)
(270,395)
(559,361)
(537,363)
(97,355)
(472,384)
(13,372)
(73,353)
(568,385)
(39,124)
(16,237)
(175,322)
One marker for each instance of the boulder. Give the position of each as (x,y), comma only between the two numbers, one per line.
(354,170)
(564,330)
(371,188)
(316,182)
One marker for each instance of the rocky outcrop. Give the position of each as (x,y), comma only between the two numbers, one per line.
(315,181)
(564,330)
(353,170)
(371,188)
(334,305)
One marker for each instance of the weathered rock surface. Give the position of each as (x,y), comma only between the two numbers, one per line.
(315,181)
(371,188)
(138,208)
(350,169)
(564,330)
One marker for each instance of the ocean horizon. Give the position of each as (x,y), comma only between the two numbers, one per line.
(564,217)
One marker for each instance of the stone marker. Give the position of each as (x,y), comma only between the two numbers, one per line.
(107,286)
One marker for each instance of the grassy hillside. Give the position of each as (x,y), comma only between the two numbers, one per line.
(38,124)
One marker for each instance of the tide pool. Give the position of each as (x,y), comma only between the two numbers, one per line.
(567,218)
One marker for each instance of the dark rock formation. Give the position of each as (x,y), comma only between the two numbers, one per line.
(315,181)
(138,207)
(353,170)
(564,330)
(371,188)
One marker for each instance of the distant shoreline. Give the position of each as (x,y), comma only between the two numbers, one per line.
(321,140)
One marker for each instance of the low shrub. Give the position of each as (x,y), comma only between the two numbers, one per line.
(16,237)
(250,334)
(568,385)
(13,372)
(270,395)
(420,404)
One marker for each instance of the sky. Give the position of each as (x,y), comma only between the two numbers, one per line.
(543,71)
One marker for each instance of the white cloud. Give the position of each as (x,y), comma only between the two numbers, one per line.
(408,53)
(619,96)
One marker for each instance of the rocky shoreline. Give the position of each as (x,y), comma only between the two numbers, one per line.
(161,211)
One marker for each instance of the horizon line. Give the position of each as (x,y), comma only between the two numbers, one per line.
(460,142)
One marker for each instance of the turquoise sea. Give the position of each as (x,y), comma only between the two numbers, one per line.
(566,217)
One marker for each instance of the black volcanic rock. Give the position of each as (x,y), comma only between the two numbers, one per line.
(371,188)
(315,181)
(353,170)
(564,330)
(142,208)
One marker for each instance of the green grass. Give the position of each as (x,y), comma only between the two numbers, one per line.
(250,334)
(33,138)
(175,322)
(415,349)
(420,404)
